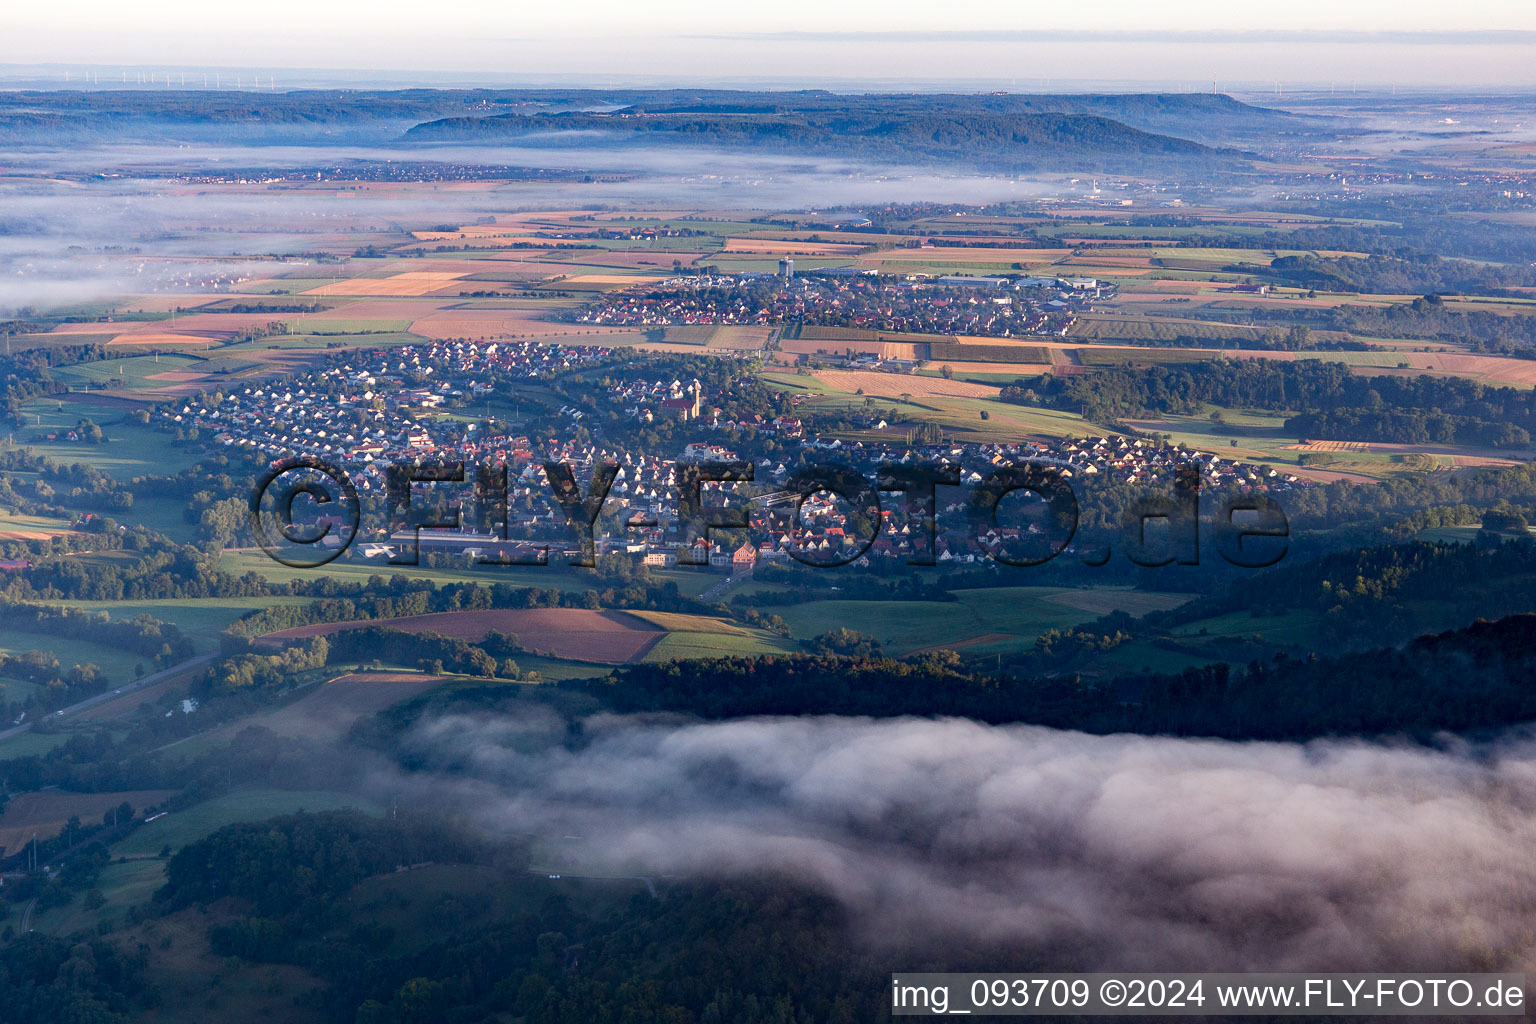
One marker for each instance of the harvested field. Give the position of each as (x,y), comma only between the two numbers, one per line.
(471,322)
(779,247)
(1485,369)
(1492,369)
(1176,287)
(24,527)
(689,334)
(683,622)
(965,254)
(575,634)
(659,260)
(1095,260)
(47,812)
(740,337)
(474,231)
(894,385)
(1330,446)
(99,327)
(148,339)
(883,349)
(215,324)
(410,283)
(380,309)
(618,279)
(729,337)
(962,368)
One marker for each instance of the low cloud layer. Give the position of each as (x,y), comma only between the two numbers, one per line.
(1122,853)
(83,240)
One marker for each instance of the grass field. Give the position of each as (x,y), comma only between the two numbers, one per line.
(122,885)
(1261,437)
(129,451)
(201,619)
(555,575)
(47,812)
(325,341)
(681,622)
(181,827)
(162,513)
(14,526)
(740,643)
(134,372)
(115,663)
(1005,618)
(31,744)
(323,713)
(960,418)
(1297,627)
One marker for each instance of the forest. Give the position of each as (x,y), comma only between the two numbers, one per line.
(1330,401)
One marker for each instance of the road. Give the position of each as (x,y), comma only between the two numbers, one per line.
(719,588)
(113,694)
(26,916)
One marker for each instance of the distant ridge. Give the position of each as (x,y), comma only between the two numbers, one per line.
(990,130)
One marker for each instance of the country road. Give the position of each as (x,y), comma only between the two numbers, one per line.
(26,916)
(719,588)
(113,694)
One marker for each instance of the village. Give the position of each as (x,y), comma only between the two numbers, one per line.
(409,405)
(997,307)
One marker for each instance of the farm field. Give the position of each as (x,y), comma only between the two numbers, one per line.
(555,576)
(323,714)
(892,385)
(18,527)
(1006,619)
(681,645)
(1240,635)
(47,811)
(115,663)
(186,826)
(31,744)
(200,619)
(129,451)
(132,372)
(568,634)
(1261,437)
(407,283)
(961,418)
(123,886)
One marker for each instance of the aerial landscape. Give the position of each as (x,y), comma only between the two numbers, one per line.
(691,536)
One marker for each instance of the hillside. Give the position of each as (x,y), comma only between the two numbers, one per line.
(1010,133)
(1008,142)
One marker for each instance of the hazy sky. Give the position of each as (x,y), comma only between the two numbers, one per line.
(1401,41)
